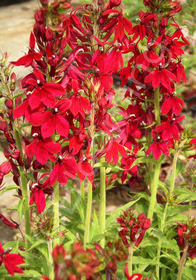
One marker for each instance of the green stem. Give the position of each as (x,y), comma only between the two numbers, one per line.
(50,260)
(182,262)
(156,106)
(88,215)
(102,210)
(24,189)
(56,214)
(154,188)
(89,197)
(155,180)
(82,190)
(173,177)
(130,258)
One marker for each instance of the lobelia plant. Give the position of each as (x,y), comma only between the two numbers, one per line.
(61,123)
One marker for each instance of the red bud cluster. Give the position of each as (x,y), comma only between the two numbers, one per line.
(133,228)
(187,237)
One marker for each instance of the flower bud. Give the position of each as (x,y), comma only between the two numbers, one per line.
(9,103)
(4,59)
(49,34)
(39,17)
(164,22)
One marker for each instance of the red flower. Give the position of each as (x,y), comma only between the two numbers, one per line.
(11,261)
(157,148)
(111,150)
(5,168)
(80,104)
(172,104)
(43,149)
(137,276)
(161,76)
(193,141)
(43,92)
(37,196)
(76,142)
(49,122)
(123,24)
(65,168)
(27,59)
(85,170)
(170,129)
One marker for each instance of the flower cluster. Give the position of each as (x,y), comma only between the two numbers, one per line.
(133,228)
(76,263)
(113,253)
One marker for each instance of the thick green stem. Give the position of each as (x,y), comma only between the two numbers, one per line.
(173,177)
(154,188)
(155,180)
(130,258)
(56,214)
(102,210)
(82,190)
(88,215)
(182,262)
(25,205)
(50,260)
(156,106)
(89,198)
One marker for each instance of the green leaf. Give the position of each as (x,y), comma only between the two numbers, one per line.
(141,260)
(173,210)
(9,188)
(31,273)
(43,248)
(94,227)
